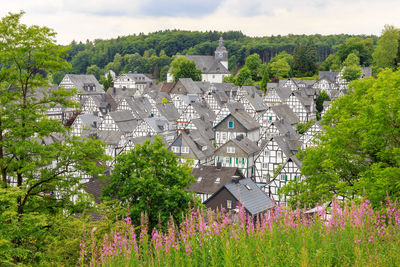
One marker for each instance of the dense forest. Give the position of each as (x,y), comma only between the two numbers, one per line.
(152,53)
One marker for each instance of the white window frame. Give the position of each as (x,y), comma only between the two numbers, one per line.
(230,149)
(185,150)
(229,204)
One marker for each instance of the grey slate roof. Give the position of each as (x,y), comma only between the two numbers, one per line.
(190,86)
(244,119)
(283,92)
(125,121)
(80,80)
(246,145)
(208,64)
(254,200)
(366,72)
(109,137)
(204,111)
(138,77)
(285,113)
(95,187)
(328,75)
(89,120)
(169,111)
(209,174)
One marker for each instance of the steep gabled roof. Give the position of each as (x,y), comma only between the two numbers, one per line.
(169,111)
(209,174)
(244,119)
(208,64)
(82,80)
(190,86)
(284,112)
(253,199)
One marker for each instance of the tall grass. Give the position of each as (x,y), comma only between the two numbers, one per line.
(351,235)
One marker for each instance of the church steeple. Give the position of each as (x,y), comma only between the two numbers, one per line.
(221,54)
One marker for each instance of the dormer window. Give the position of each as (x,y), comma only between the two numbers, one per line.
(199,179)
(218,180)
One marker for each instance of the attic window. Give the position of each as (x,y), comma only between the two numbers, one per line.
(218,180)
(230,124)
(230,149)
(247,186)
(229,204)
(199,179)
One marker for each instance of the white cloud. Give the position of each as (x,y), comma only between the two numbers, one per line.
(89,19)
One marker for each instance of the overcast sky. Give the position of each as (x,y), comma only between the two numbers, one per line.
(90,19)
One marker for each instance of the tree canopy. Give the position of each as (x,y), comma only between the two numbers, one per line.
(359,153)
(150,179)
(387,50)
(182,67)
(41,166)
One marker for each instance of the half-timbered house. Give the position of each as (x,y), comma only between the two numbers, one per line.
(238,152)
(235,124)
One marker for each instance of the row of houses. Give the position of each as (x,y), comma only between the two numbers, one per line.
(241,142)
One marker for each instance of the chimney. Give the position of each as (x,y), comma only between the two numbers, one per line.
(219,166)
(114,90)
(236,109)
(239,137)
(235,179)
(95,124)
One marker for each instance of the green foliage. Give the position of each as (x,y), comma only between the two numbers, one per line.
(95,70)
(165,101)
(304,59)
(244,77)
(149,179)
(182,67)
(171,42)
(353,236)
(279,68)
(39,175)
(265,78)
(303,127)
(323,96)
(359,151)
(107,83)
(387,51)
(352,69)
(332,63)
(352,72)
(253,63)
(362,48)
(228,79)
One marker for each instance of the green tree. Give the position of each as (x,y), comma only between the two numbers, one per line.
(387,50)
(360,149)
(107,83)
(352,69)
(40,165)
(322,97)
(362,48)
(182,67)
(95,70)
(150,179)
(332,63)
(253,63)
(265,78)
(244,77)
(280,68)
(304,58)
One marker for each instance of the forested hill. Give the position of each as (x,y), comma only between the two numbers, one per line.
(152,53)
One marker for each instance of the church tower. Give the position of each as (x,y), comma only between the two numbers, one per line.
(221,53)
